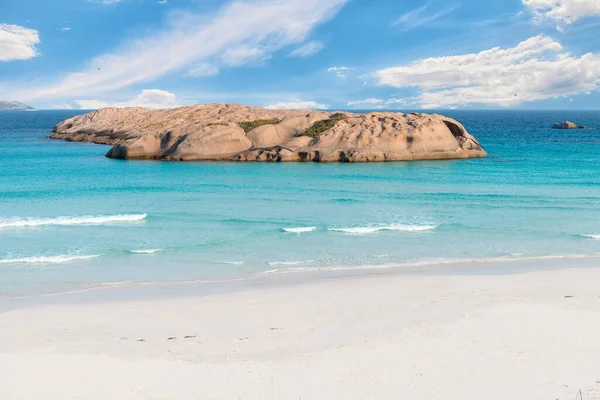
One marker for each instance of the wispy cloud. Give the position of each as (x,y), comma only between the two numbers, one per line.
(309,49)
(62,106)
(203,70)
(148,98)
(339,71)
(238,33)
(298,105)
(422,16)
(17,42)
(365,101)
(244,55)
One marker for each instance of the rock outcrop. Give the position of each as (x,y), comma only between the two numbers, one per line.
(239,133)
(567,125)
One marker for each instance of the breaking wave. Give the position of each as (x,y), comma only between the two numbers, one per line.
(145,251)
(83,220)
(46,259)
(364,230)
(300,230)
(290,262)
(596,237)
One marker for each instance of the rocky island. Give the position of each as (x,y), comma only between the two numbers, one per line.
(568,125)
(13,106)
(235,132)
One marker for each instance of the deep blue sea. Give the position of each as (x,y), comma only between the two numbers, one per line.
(71,218)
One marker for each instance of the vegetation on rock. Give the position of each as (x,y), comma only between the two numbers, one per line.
(247,126)
(321,126)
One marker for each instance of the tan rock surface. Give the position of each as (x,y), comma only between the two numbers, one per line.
(567,125)
(213,132)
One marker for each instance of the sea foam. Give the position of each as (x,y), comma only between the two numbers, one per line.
(145,251)
(420,263)
(83,220)
(596,237)
(301,229)
(290,262)
(365,230)
(46,259)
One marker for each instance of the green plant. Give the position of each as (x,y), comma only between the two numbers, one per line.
(321,126)
(247,126)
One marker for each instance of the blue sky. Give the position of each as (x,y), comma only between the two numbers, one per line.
(336,54)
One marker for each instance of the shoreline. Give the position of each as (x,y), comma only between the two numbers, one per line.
(286,277)
(491,335)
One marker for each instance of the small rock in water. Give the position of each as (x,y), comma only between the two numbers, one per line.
(567,125)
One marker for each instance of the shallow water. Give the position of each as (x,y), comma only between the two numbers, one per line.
(69,217)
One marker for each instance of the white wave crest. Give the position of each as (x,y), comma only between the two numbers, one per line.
(46,259)
(595,237)
(364,230)
(83,220)
(300,230)
(145,251)
(290,262)
(233,262)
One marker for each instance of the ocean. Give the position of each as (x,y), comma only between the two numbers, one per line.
(71,219)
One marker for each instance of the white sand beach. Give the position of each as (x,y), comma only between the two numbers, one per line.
(532,335)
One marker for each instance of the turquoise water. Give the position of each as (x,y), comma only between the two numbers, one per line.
(71,218)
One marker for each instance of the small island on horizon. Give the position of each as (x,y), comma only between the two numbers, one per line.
(234,132)
(14,106)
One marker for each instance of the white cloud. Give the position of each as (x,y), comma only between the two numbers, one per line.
(17,42)
(421,16)
(298,105)
(148,98)
(309,49)
(105,1)
(365,101)
(203,69)
(563,11)
(535,69)
(339,71)
(400,101)
(239,31)
(65,29)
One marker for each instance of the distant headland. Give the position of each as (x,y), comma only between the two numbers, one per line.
(233,132)
(14,106)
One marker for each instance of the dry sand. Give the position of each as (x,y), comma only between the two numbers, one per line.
(527,336)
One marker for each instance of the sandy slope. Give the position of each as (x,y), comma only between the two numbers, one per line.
(378,337)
